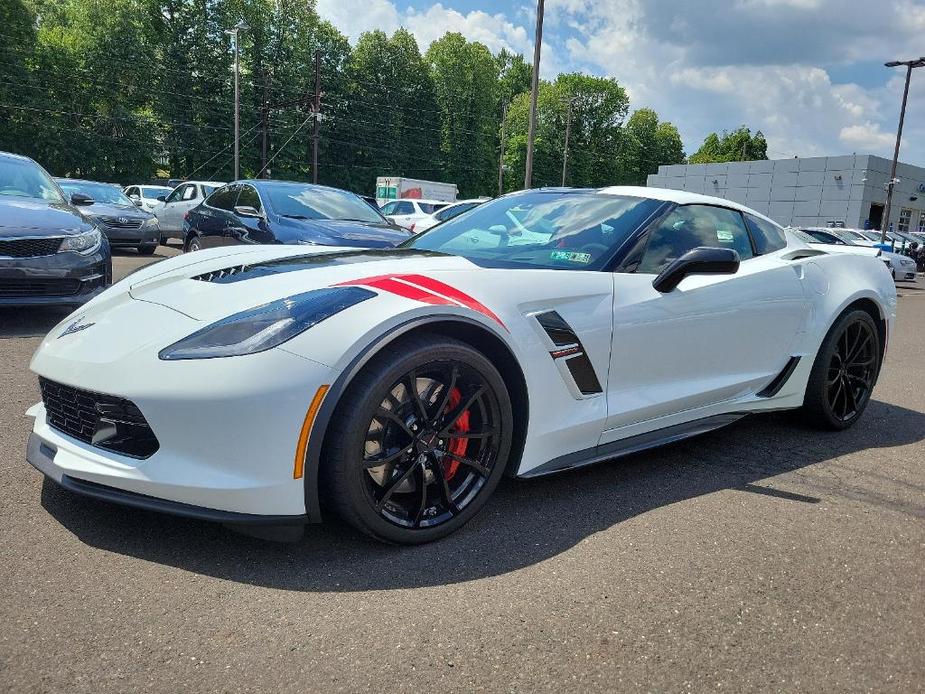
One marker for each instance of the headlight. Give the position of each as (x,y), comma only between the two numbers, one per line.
(82,243)
(267,326)
(150,222)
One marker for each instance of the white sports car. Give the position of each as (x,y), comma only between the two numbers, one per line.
(542,331)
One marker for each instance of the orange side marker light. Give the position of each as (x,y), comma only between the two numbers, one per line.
(302,447)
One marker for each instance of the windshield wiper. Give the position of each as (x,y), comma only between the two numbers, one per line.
(294,216)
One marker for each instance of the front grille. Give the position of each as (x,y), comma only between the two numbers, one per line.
(122,222)
(24,287)
(29,248)
(104,421)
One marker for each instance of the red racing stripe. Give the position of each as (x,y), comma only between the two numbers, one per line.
(425,290)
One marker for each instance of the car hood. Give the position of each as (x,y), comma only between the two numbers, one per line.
(209,285)
(31,217)
(105,209)
(331,232)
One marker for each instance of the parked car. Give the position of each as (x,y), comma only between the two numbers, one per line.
(49,252)
(452,210)
(287,212)
(181,200)
(125,225)
(407,213)
(542,331)
(901,267)
(147,197)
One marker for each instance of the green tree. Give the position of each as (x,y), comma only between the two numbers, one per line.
(599,105)
(465,78)
(738,145)
(647,144)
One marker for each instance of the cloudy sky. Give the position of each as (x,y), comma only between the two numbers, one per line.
(808,73)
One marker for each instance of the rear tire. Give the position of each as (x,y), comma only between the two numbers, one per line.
(193,244)
(844,373)
(438,414)
(146,250)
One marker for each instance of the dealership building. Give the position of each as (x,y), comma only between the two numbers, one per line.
(818,191)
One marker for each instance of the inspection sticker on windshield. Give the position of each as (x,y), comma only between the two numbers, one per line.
(571,256)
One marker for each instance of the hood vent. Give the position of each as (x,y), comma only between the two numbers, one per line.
(216,275)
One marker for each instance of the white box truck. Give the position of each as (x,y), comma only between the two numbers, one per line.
(396,187)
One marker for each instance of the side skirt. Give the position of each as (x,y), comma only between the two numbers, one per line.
(634,444)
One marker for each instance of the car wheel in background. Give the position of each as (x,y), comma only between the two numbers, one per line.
(147,250)
(844,372)
(193,244)
(418,442)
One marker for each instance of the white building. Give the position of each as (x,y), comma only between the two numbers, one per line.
(817,191)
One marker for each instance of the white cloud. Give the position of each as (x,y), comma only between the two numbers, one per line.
(712,64)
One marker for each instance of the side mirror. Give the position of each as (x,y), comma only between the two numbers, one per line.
(135,199)
(81,199)
(698,261)
(247,211)
(161,198)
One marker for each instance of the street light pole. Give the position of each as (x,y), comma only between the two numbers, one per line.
(237,97)
(534,88)
(909,64)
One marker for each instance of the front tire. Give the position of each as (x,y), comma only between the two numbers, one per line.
(844,373)
(418,442)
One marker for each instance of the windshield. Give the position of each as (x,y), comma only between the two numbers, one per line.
(23,178)
(316,202)
(563,230)
(100,192)
(154,192)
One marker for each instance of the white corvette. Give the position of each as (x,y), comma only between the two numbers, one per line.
(541,331)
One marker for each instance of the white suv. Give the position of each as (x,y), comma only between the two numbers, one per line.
(184,197)
(407,212)
(147,197)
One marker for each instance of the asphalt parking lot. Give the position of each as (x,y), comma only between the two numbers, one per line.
(762,557)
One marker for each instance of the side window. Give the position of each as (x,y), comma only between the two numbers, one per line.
(404,208)
(768,237)
(389,208)
(224,198)
(131,192)
(189,191)
(249,198)
(176,194)
(691,226)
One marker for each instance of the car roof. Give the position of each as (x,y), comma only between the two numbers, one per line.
(18,157)
(65,179)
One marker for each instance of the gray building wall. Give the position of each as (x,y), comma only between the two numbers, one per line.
(806,192)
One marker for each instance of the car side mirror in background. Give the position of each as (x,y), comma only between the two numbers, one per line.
(161,198)
(247,211)
(698,261)
(81,199)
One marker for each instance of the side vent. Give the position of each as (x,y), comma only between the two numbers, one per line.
(773,388)
(569,348)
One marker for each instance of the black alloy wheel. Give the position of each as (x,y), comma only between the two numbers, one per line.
(427,442)
(844,373)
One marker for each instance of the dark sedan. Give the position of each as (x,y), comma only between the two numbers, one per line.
(49,253)
(125,224)
(286,212)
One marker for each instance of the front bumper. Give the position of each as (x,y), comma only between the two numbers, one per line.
(228,432)
(142,236)
(62,279)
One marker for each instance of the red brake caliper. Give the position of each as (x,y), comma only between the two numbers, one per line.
(456,446)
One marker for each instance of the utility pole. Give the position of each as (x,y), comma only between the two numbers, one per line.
(237,96)
(568,128)
(534,88)
(501,154)
(910,64)
(316,112)
(265,125)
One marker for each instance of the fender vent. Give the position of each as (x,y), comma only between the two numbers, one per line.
(569,348)
(216,275)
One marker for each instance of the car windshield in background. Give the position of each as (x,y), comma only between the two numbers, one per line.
(308,202)
(149,193)
(100,192)
(21,178)
(208,190)
(575,231)
(430,208)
